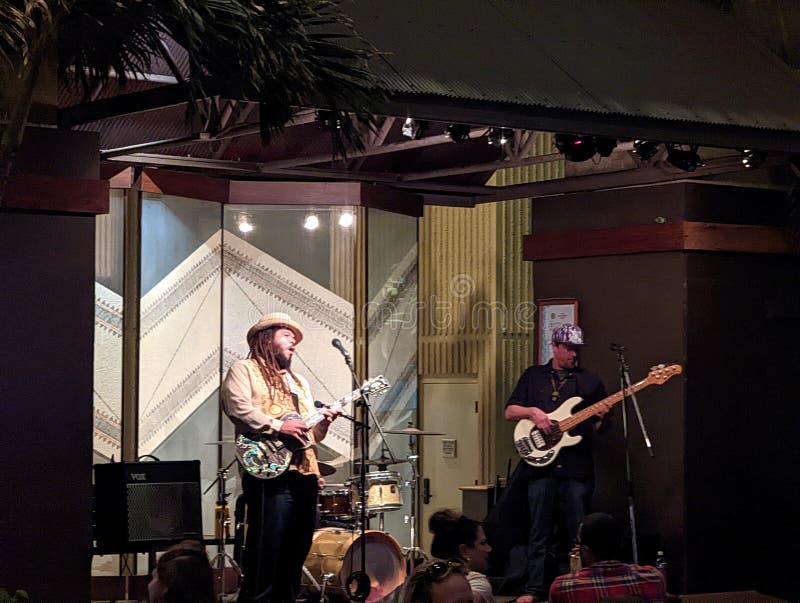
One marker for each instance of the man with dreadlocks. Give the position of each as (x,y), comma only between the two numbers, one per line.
(281,511)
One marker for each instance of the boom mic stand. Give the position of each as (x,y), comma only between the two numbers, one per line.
(628,394)
(359,578)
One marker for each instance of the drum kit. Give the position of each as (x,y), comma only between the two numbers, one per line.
(341,538)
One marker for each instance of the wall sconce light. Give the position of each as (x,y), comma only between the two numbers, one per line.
(346,219)
(244,222)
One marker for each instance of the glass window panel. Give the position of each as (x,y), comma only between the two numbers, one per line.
(179,359)
(392,262)
(279,265)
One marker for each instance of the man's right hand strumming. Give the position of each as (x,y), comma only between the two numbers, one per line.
(540,418)
(295,428)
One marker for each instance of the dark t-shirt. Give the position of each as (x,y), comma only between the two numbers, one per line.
(535,388)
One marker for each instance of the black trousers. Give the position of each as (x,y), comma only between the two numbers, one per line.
(280,526)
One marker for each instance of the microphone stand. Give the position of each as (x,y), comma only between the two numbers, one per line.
(360,577)
(629,395)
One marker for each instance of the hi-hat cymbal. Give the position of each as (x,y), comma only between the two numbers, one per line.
(326,469)
(413,431)
(221,442)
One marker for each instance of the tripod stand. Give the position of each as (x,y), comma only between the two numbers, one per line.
(222,523)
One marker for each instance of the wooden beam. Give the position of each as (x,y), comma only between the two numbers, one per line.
(193,186)
(259,192)
(53,193)
(648,238)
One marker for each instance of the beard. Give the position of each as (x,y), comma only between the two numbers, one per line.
(284,361)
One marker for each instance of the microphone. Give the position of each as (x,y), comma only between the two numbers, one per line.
(338,345)
(615,347)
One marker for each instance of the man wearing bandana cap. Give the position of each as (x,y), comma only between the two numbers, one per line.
(558,494)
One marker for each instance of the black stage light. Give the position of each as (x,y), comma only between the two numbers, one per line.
(753,159)
(575,148)
(684,159)
(328,119)
(604,146)
(498,137)
(413,128)
(458,133)
(645,149)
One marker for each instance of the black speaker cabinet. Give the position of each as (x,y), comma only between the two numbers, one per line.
(139,507)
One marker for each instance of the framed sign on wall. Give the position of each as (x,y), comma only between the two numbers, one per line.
(550,314)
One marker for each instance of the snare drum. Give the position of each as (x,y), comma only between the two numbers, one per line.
(339,552)
(335,503)
(383,491)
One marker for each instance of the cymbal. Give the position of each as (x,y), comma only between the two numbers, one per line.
(413,431)
(221,442)
(385,461)
(326,469)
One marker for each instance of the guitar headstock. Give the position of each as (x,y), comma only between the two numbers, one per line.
(375,385)
(661,373)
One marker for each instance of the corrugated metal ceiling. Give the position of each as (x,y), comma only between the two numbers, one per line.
(679,60)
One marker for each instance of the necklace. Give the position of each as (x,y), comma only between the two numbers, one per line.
(556,388)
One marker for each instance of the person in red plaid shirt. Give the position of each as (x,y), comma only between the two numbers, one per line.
(600,542)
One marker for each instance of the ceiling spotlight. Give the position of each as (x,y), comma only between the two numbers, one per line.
(753,158)
(311,222)
(684,159)
(346,219)
(244,222)
(575,148)
(645,149)
(328,120)
(500,136)
(413,128)
(458,133)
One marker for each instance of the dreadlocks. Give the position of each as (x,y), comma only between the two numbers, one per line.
(262,352)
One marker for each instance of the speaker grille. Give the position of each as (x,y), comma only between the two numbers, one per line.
(145,506)
(163,511)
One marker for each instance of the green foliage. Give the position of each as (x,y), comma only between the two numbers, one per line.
(282,53)
(18,597)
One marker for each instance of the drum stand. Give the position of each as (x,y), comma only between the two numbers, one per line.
(222,522)
(326,579)
(413,553)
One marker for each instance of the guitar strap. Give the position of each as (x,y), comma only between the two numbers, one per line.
(278,403)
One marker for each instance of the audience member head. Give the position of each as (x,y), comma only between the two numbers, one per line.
(600,538)
(457,536)
(182,575)
(439,581)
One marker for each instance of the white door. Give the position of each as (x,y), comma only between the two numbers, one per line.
(449,405)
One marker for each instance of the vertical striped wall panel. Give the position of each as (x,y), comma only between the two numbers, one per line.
(476,294)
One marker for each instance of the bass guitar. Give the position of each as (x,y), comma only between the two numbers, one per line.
(266,456)
(539,449)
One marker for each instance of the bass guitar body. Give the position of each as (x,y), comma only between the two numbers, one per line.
(538,448)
